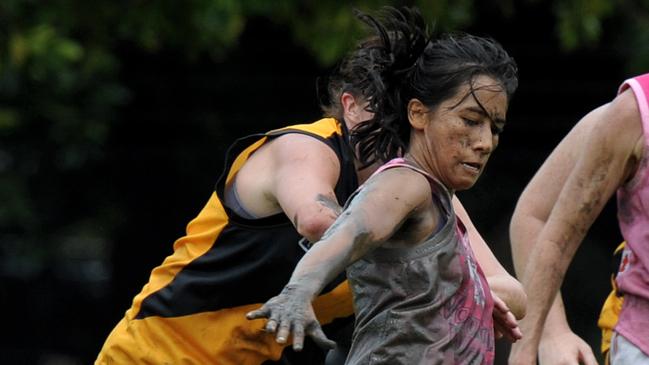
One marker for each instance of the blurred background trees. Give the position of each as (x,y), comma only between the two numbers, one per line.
(114,116)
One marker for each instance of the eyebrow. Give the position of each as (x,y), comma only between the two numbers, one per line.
(480,111)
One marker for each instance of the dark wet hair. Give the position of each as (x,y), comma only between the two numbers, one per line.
(362,71)
(401,62)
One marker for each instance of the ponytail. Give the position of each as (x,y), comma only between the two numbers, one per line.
(400,38)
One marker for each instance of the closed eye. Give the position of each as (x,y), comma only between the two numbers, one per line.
(470,122)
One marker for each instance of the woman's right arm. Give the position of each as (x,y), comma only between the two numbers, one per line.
(373,216)
(558,343)
(303,173)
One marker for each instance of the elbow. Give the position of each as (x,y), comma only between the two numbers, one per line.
(520,309)
(517,302)
(510,291)
(519,227)
(313,228)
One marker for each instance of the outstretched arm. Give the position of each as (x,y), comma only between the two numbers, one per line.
(601,165)
(372,217)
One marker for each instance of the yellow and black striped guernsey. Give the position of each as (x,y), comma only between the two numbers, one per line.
(192,310)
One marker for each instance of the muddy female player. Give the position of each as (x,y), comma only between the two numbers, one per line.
(240,250)
(420,295)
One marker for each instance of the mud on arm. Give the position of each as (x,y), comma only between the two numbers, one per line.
(373,216)
(602,166)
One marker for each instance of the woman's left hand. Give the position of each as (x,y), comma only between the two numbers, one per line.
(505,324)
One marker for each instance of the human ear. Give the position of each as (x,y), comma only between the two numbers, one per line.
(354,110)
(350,107)
(417,114)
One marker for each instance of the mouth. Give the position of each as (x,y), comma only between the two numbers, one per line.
(472,166)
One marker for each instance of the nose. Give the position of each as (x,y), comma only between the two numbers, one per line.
(486,141)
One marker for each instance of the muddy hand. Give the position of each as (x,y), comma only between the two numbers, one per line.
(291,313)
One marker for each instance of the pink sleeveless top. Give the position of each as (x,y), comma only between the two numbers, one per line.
(633,217)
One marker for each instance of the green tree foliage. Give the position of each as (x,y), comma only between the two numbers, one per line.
(60,85)
(60,88)
(64,71)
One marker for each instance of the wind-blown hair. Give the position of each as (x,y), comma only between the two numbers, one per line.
(401,62)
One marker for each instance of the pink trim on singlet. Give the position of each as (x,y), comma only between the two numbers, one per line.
(400,161)
(633,217)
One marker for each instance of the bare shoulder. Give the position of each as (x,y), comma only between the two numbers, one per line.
(293,151)
(391,198)
(624,109)
(297,152)
(622,123)
(286,172)
(402,184)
